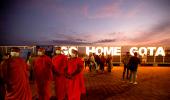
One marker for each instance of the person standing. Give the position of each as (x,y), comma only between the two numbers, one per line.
(93,64)
(30,61)
(91,60)
(102,62)
(4,58)
(133,66)
(86,61)
(126,66)
(14,71)
(109,63)
(43,74)
(97,60)
(75,77)
(144,59)
(60,64)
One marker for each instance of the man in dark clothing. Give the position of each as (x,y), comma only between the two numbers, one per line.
(126,67)
(2,83)
(133,66)
(109,63)
(102,62)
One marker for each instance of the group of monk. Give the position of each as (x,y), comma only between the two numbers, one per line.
(66,73)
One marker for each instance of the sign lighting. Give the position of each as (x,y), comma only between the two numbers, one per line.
(116,51)
(144,51)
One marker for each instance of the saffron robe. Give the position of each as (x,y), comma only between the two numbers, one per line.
(43,76)
(16,78)
(60,63)
(76,85)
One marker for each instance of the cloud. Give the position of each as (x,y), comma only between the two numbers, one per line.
(158,31)
(158,34)
(105,41)
(86,38)
(106,11)
(113,10)
(68,42)
(70,37)
(164,26)
(164,42)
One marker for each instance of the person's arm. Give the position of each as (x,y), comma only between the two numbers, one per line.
(56,73)
(130,61)
(53,67)
(66,69)
(77,71)
(80,67)
(66,73)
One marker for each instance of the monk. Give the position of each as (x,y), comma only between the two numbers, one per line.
(75,77)
(60,63)
(43,74)
(16,77)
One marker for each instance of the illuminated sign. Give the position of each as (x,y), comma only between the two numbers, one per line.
(67,50)
(144,51)
(116,51)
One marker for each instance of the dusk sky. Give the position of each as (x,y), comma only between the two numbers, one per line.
(96,22)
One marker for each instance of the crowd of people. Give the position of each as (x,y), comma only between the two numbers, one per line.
(98,62)
(66,72)
(130,64)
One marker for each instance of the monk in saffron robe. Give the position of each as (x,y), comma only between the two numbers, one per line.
(60,63)
(43,74)
(16,77)
(75,77)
